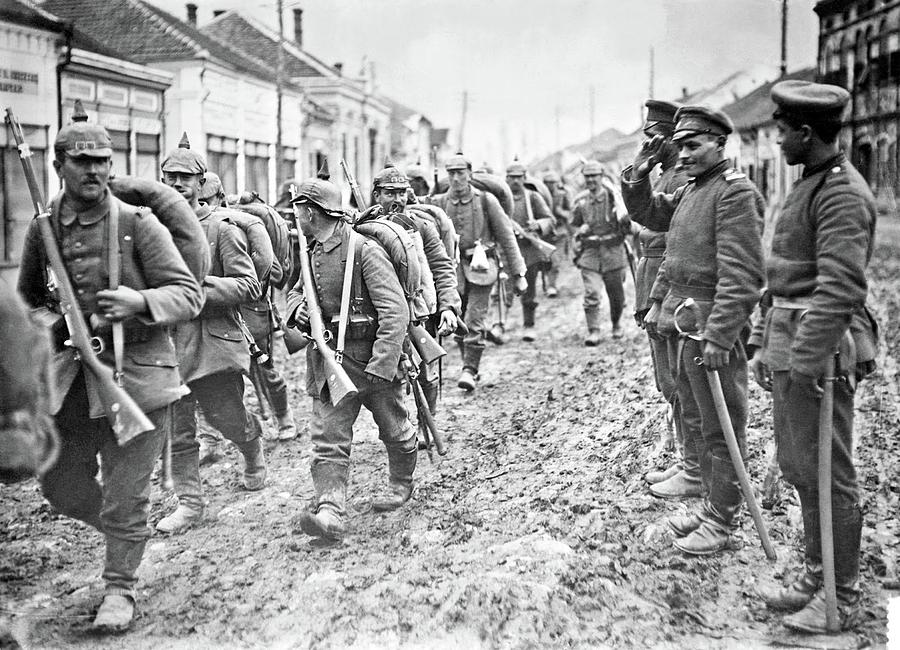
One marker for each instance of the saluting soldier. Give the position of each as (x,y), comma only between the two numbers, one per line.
(713,256)
(213,354)
(682,479)
(371,359)
(389,191)
(532,214)
(560,235)
(156,289)
(482,226)
(600,252)
(816,275)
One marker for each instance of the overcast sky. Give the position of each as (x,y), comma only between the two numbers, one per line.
(525,61)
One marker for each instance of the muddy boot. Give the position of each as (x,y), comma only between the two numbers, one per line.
(188,487)
(552,292)
(684,525)
(401,465)
(592,339)
(471,360)
(287,428)
(528,322)
(592,319)
(210,453)
(800,592)
(720,507)
(254,464)
(678,486)
(325,519)
(662,475)
(497,334)
(114,615)
(617,332)
(847,529)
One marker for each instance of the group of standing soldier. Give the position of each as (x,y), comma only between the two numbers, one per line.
(699,278)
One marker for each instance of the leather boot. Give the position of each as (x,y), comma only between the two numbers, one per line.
(401,465)
(592,339)
(658,476)
(287,428)
(115,614)
(684,525)
(528,323)
(188,487)
(471,360)
(210,453)
(720,507)
(800,592)
(254,464)
(678,486)
(847,529)
(497,334)
(325,518)
(617,331)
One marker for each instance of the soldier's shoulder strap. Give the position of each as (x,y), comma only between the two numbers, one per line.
(731,175)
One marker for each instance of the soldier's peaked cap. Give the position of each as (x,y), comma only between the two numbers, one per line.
(592,168)
(660,114)
(184,160)
(80,138)
(697,120)
(551,177)
(516,168)
(805,99)
(390,178)
(458,161)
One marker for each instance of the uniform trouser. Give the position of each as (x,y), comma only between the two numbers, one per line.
(698,412)
(331,431)
(476,301)
(796,424)
(529,303)
(551,271)
(221,398)
(120,506)
(613,281)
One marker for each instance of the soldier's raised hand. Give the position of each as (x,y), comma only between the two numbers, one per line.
(647,157)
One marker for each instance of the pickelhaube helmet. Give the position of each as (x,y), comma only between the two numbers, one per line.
(592,168)
(211,188)
(82,139)
(516,168)
(390,178)
(321,192)
(458,161)
(551,177)
(184,160)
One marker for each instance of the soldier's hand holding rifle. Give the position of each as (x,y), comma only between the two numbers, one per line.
(647,157)
(715,357)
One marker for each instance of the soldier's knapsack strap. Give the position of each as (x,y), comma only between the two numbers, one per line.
(346,291)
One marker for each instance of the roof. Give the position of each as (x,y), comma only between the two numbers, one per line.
(825,7)
(27,13)
(142,32)
(755,108)
(240,33)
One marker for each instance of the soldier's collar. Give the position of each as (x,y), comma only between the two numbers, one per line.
(203,211)
(92,215)
(335,240)
(834,161)
(718,168)
(456,200)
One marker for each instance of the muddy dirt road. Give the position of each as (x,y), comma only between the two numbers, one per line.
(536,531)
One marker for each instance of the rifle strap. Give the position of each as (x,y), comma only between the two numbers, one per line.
(114,261)
(346,291)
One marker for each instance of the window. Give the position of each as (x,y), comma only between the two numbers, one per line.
(16,209)
(147,162)
(893,56)
(256,167)
(287,164)
(222,159)
(121,145)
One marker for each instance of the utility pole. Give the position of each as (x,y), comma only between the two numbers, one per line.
(784,26)
(279,91)
(462,122)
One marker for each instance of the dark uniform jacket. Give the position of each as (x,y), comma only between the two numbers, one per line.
(214,342)
(822,243)
(378,348)
(713,249)
(600,239)
(534,216)
(562,211)
(149,263)
(653,243)
(479,216)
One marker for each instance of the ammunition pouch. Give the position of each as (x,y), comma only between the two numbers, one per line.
(360,327)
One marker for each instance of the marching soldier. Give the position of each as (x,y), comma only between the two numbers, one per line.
(816,275)
(482,227)
(531,213)
(714,257)
(371,359)
(682,479)
(389,191)
(418,180)
(155,291)
(212,351)
(560,236)
(600,253)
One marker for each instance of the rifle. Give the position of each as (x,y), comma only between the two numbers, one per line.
(426,419)
(125,417)
(426,347)
(339,384)
(544,248)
